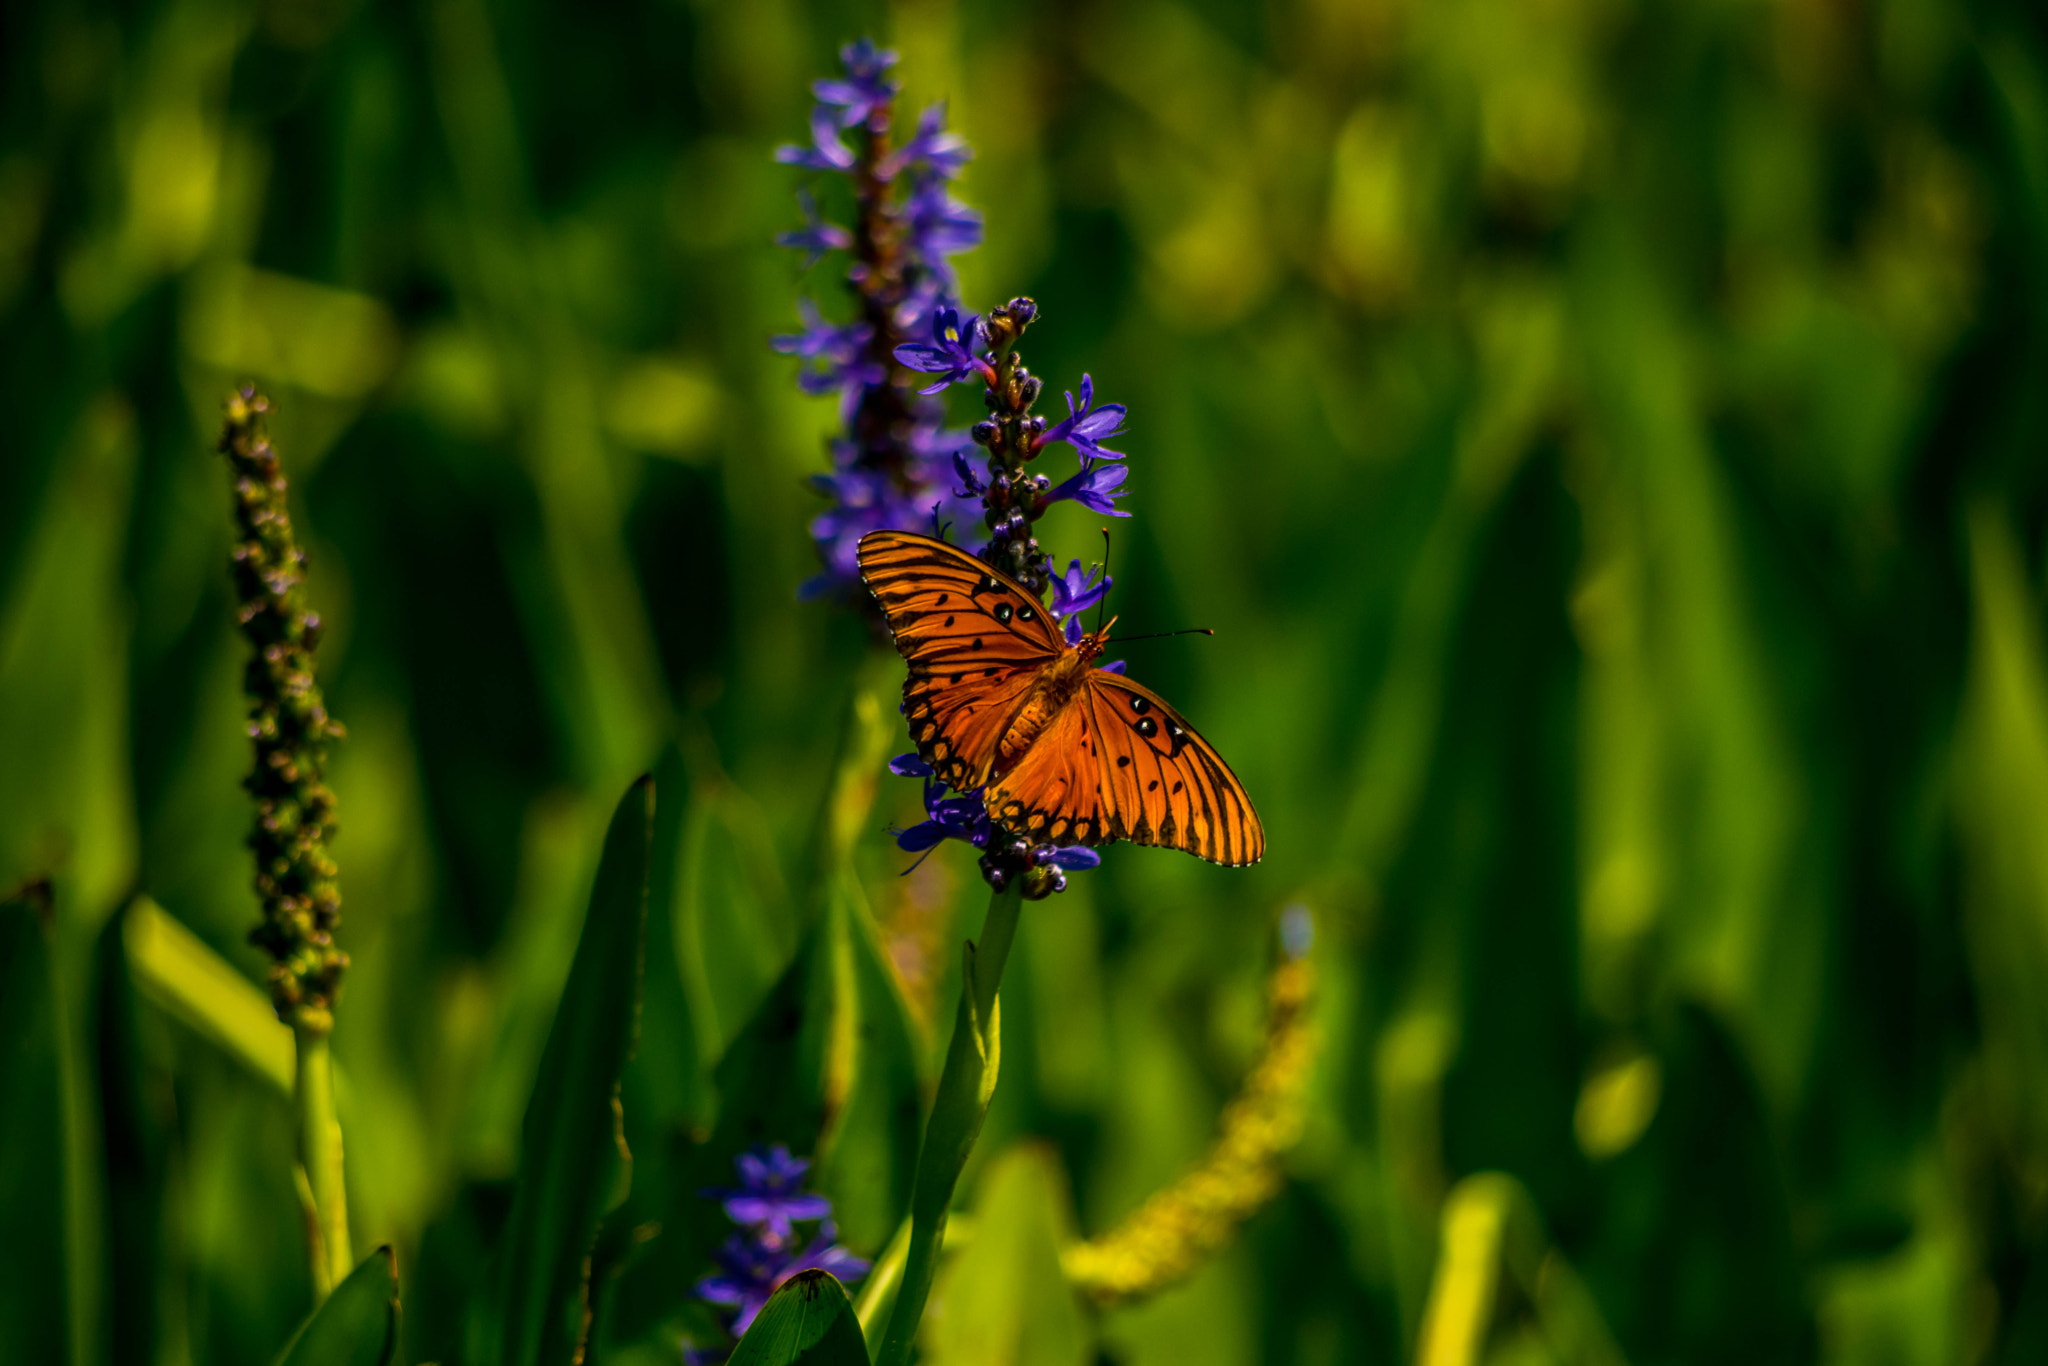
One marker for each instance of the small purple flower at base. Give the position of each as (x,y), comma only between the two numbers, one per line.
(1085,427)
(1096,487)
(951,352)
(817,236)
(961,818)
(753,1262)
(909,766)
(1077,590)
(866,90)
(751,1270)
(768,1197)
(826,152)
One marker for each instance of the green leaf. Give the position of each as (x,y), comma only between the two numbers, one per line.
(669,1081)
(1006,1297)
(808,1322)
(827,1065)
(867,1155)
(32,1293)
(355,1326)
(573,1165)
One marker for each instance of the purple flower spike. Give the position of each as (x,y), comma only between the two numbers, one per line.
(1096,487)
(1086,426)
(866,90)
(1075,591)
(827,152)
(951,353)
(769,1197)
(817,236)
(909,766)
(945,153)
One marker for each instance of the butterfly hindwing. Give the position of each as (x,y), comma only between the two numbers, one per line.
(1055,793)
(975,641)
(1119,763)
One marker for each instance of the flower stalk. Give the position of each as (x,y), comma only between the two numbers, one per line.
(966,1086)
(296,879)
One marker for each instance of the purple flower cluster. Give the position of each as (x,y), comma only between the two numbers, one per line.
(768,1203)
(898,466)
(893,467)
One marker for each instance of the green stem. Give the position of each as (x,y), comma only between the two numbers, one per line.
(965,1086)
(320,1152)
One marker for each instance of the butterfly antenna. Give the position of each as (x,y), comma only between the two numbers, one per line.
(1103,606)
(1161,635)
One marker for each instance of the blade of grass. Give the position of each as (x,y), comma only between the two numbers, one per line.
(573,1165)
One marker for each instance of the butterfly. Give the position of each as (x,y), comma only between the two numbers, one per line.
(1061,751)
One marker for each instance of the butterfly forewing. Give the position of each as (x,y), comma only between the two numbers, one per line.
(975,641)
(1164,784)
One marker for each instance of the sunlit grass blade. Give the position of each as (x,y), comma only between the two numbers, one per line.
(180,972)
(573,1165)
(808,1322)
(357,1325)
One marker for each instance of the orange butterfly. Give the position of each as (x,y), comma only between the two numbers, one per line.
(1063,751)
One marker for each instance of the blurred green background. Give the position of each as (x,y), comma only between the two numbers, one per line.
(1607,439)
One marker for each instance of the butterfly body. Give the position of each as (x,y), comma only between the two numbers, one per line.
(999,702)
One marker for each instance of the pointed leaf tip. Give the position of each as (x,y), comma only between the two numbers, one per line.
(357,1325)
(808,1322)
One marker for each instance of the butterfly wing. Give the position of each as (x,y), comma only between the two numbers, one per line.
(1119,763)
(1056,791)
(975,640)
